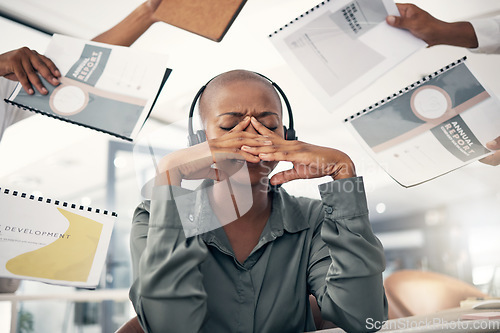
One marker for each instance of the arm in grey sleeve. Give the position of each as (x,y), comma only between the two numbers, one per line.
(167,293)
(347,260)
(488,35)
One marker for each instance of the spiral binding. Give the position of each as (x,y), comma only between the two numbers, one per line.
(57,202)
(299,17)
(406,89)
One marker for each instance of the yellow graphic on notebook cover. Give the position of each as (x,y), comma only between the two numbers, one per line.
(68,258)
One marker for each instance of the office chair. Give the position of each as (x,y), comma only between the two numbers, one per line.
(412,292)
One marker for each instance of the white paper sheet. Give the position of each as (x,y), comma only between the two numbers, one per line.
(433,127)
(339,47)
(50,241)
(104,87)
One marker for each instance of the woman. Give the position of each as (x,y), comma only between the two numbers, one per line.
(256,271)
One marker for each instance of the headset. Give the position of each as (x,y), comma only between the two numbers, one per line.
(199,136)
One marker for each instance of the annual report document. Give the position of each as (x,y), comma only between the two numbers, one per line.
(103,87)
(434,126)
(339,47)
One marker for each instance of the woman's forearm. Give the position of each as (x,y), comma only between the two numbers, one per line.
(130,28)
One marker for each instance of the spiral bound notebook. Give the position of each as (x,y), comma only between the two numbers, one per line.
(437,124)
(339,47)
(52,241)
(104,87)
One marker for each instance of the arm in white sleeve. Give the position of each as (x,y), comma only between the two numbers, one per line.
(488,35)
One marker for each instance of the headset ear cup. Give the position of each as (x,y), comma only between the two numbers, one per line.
(196,138)
(192,140)
(289,133)
(201,136)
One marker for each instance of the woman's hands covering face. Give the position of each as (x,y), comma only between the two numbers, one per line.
(309,161)
(214,159)
(217,158)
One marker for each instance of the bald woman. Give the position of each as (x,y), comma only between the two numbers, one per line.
(255,272)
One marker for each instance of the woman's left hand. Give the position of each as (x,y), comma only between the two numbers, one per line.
(495,158)
(309,161)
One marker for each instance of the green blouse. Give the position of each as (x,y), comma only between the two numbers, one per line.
(322,247)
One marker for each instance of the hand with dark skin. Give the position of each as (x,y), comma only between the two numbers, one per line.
(243,123)
(431,30)
(195,162)
(493,159)
(436,32)
(236,135)
(309,161)
(24,65)
(126,32)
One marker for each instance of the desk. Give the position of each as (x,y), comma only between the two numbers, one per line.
(74,296)
(443,321)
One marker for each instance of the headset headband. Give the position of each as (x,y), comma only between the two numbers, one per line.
(290,132)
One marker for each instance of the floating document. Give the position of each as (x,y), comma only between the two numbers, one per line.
(339,47)
(431,127)
(104,87)
(51,241)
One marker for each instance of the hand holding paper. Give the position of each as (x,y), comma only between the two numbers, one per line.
(438,124)
(107,88)
(338,48)
(23,64)
(431,30)
(495,158)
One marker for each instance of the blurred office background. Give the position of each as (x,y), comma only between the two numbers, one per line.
(448,225)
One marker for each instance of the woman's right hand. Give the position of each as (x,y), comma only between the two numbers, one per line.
(24,65)
(426,27)
(212,159)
